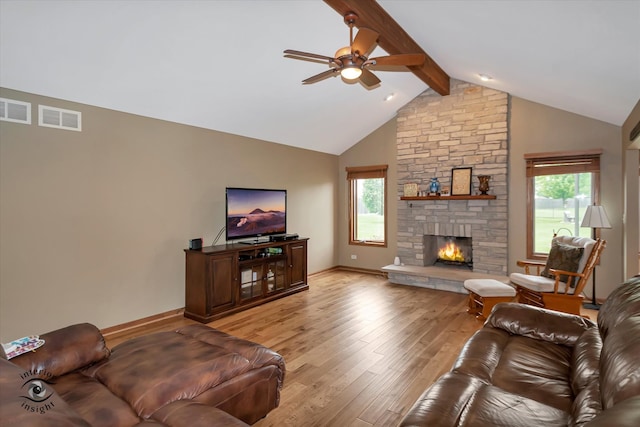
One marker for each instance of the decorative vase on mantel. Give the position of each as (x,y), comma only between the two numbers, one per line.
(434,187)
(484,184)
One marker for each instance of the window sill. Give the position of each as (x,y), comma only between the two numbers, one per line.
(368,243)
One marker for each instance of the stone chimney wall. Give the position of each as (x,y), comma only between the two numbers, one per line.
(468,128)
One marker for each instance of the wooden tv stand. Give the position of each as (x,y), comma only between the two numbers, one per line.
(225,279)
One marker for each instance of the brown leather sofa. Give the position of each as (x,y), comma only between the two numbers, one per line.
(533,367)
(195,376)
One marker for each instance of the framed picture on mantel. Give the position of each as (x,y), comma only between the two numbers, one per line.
(460,181)
(410,189)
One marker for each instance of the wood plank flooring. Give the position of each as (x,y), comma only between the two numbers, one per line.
(359,350)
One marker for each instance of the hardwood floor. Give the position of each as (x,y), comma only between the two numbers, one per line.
(359,350)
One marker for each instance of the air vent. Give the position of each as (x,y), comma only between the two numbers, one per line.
(59,118)
(15,111)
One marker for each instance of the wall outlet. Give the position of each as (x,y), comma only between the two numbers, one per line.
(354,256)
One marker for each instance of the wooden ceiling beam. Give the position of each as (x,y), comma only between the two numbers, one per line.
(393,39)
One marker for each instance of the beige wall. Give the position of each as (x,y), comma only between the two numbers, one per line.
(539,128)
(93,224)
(377,148)
(631,153)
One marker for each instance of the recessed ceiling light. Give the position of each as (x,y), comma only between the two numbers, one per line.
(485,77)
(389,97)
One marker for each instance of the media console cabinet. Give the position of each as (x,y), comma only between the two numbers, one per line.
(225,279)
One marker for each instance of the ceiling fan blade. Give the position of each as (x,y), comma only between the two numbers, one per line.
(364,42)
(405,59)
(325,74)
(368,78)
(314,60)
(295,53)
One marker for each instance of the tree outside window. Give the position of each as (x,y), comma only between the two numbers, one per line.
(560,187)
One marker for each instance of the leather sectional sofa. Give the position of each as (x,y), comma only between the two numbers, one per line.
(533,367)
(194,376)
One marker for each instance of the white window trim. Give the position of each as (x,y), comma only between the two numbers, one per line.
(8,101)
(60,110)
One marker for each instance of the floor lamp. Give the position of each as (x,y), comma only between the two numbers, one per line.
(595,217)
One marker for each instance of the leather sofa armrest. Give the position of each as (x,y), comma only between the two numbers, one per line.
(65,350)
(538,323)
(189,413)
(624,414)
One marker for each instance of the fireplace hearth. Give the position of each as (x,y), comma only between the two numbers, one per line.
(448,251)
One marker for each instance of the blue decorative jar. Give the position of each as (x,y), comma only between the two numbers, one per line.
(434,187)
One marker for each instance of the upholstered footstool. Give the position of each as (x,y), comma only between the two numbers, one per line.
(485,293)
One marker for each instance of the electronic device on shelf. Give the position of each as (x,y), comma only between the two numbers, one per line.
(195,244)
(283,237)
(255,213)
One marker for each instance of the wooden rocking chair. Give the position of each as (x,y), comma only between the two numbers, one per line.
(559,290)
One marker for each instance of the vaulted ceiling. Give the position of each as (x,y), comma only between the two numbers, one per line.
(220,65)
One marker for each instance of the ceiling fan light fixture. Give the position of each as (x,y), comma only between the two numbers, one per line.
(351,73)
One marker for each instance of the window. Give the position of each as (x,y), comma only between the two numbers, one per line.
(560,186)
(367,205)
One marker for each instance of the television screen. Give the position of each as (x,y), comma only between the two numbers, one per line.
(255,212)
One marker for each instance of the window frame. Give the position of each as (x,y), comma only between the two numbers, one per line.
(366,172)
(558,163)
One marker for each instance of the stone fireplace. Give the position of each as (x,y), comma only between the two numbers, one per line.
(435,134)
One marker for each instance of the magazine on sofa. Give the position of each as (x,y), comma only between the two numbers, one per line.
(22,345)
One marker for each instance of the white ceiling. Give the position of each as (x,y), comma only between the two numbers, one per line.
(219,64)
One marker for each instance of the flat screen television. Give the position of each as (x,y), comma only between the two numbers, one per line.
(253,212)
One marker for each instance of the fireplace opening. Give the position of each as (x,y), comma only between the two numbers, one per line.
(448,251)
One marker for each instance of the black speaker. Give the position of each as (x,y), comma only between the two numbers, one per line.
(195,244)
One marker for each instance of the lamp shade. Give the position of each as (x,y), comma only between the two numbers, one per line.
(351,72)
(595,217)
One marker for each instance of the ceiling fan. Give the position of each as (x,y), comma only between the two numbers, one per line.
(352,62)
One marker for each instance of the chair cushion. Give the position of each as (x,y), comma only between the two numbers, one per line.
(580,242)
(489,288)
(563,257)
(534,283)
(94,402)
(461,400)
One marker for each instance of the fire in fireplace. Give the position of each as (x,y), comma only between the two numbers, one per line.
(451,251)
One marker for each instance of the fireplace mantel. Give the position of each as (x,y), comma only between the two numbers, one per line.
(469,197)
